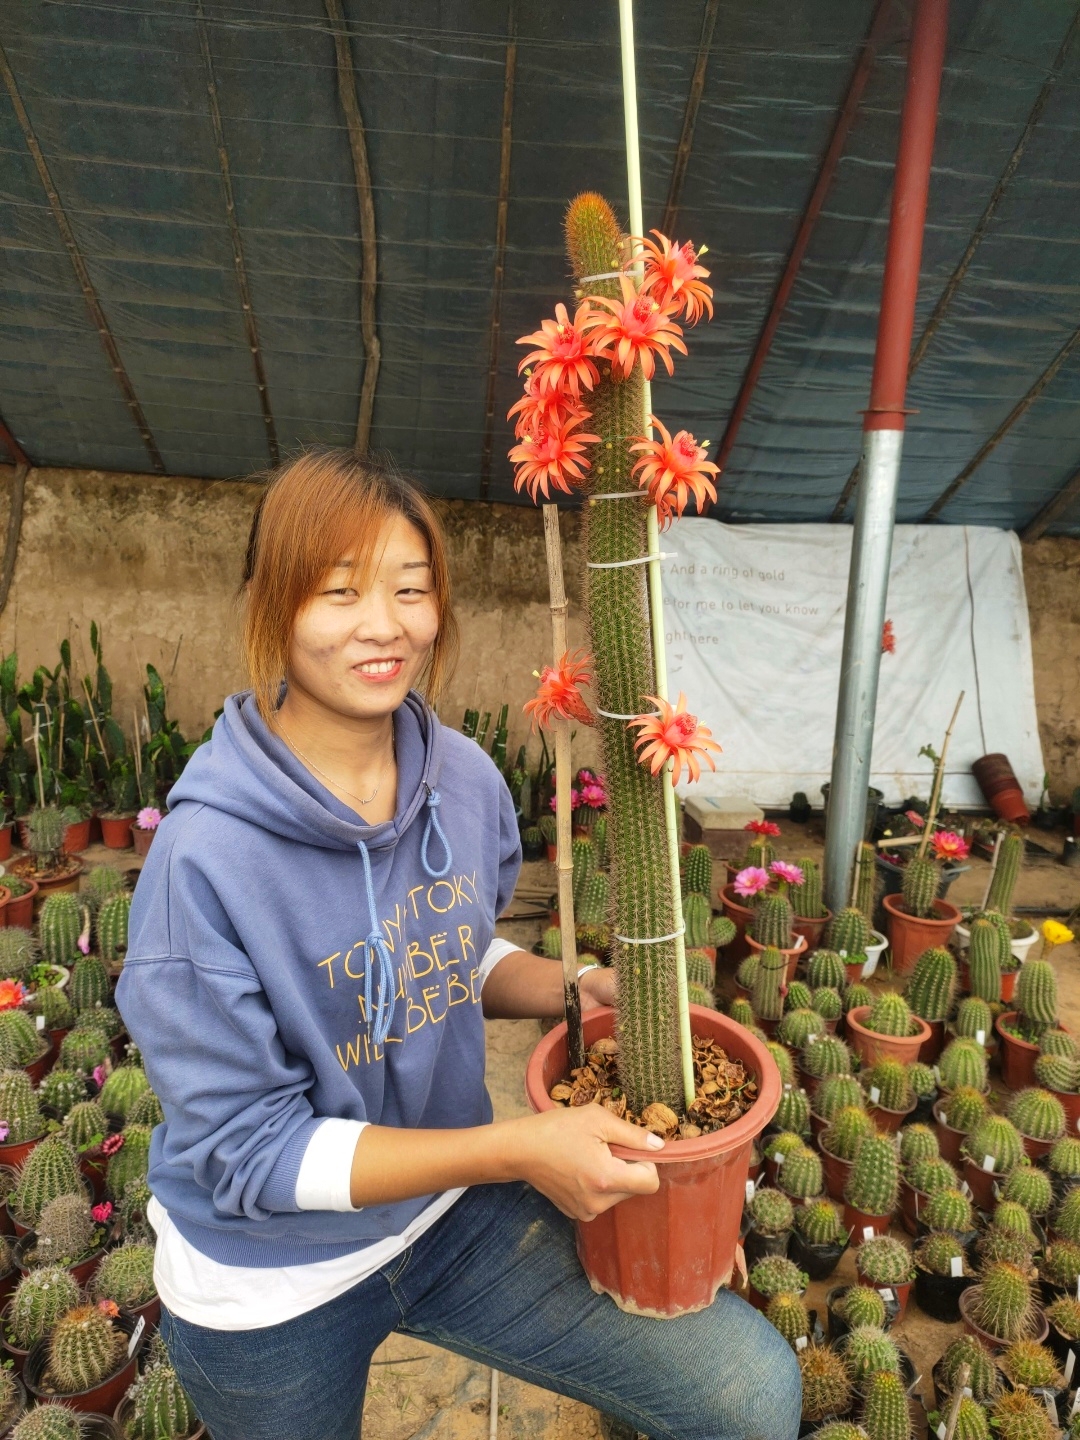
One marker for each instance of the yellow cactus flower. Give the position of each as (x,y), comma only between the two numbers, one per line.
(1055,933)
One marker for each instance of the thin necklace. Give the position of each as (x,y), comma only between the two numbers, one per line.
(358,798)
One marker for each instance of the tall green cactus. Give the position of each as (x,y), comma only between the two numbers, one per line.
(111,925)
(865,880)
(806,898)
(89,983)
(697,913)
(767,994)
(45,837)
(591,907)
(848,932)
(921,880)
(59,925)
(932,983)
(1036,993)
(19,1109)
(984,960)
(583,853)
(1006,873)
(697,871)
(161,1409)
(772,922)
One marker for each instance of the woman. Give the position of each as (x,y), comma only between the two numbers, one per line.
(312,955)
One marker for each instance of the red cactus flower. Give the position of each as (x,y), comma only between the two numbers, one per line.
(888,639)
(111,1144)
(672,470)
(109,1307)
(12,994)
(948,845)
(637,327)
(674,735)
(559,694)
(102,1213)
(763,827)
(551,455)
(673,277)
(537,406)
(561,359)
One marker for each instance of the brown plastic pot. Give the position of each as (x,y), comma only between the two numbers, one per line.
(1017,1056)
(999,784)
(1070,1103)
(981,1184)
(99,1399)
(970,1298)
(1036,1149)
(142,839)
(835,1172)
(116,831)
(909,935)
(889,1120)
(39,1068)
(15,1155)
(5,841)
(899,1293)
(668,1253)
(858,1222)
(77,837)
(872,1047)
(740,916)
(811,930)
(949,1140)
(19,909)
(792,956)
(932,1047)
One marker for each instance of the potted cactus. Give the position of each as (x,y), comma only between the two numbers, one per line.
(19,907)
(1021,1029)
(819,1238)
(993,1147)
(941,1276)
(857,1307)
(838,1144)
(51,1169)
(984,1378)
(826,1390)
(773,923)
(157,1407)
(1064,1318)
(930,994)
(885,1263)
(811,914)
(20,1117)
(1002,1309)
(886,1029)
(769,1215)
(889,1094)
(775,1275)
(872,1188)
(126,1276)
(40,1299)
(88,1360)
(67,1234)
(963,1065)
(12,1400)
(800,1176)
(57,1421)
(868,1351)
(788,1314)
(145,828)
(917,919)
(1040,1119)
(48,866)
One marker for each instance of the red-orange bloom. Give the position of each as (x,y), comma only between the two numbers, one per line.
(637,327)
(551,455)
(561,359)
(674,735)
(674,278)
(888,639)
(536,406)
(12,994)
(558,695)
(672,470)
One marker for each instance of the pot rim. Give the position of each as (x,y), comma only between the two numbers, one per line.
(853,1018)
(951,918)
(1008,1039)
(746,1129)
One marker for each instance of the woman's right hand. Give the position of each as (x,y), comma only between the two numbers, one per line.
(566,1155)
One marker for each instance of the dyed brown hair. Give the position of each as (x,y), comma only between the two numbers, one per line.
(315,509)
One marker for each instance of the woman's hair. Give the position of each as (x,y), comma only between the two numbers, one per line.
(324,506)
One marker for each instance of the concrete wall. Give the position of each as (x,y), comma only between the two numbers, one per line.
(156,562)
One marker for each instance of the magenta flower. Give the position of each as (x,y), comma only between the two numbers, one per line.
(915,818)
(763,827)
(148,818)
(83,943)
(948,845)
(751,881)
(111,1144)
(100,1075)
(3,1131)
(102,1213)
(594,795)
(790,874)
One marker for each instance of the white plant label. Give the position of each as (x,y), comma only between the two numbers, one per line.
(988,1164)
(749,1190)
(1076,1403)
(41,1022)
(1078,1122)
(811,1038)
(1078,1287)
(966,1392)
(937,1075)
(965,1189)
(941,1431)
(779,1159)
(886,1294)
(136,1335)
(1070,1365)
(875,1094)
(801,1342)
(980,1036)
(956,1266)
(786,1089)
(868,1232)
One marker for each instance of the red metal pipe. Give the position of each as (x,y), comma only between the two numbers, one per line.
(841,129)
(903,255)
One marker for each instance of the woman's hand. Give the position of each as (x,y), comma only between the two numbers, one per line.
(565,1155)
(597,988)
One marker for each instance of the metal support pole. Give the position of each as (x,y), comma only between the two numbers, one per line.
(883,440)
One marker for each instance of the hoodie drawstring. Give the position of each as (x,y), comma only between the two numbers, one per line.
(434,800)
(377,949)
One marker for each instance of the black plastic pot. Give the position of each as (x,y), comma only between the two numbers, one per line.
(1062,1347)
(838,1326)
(939,1295)
(531,851)
(17,1411)
(923,1114)
(819,1261)
(757,1246)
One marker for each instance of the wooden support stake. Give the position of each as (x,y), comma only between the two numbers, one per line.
(94,719)
(939,776)
(958,1394)
(564,862)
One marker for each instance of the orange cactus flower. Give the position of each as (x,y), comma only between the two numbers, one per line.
(888,639)
(674,278)
(561,358)
(559,695)
(637,327)
(551,455)
(536,406)
(12,994)
(672,470)
(674,735)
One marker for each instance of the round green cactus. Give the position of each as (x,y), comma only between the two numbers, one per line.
(40,1298)
(862,1308)
(933,1174)
(789,1315)
(974,1018)
(919,889)
(825,967)
(742,1012)
(890,1015)
(793,1112)
(965,1108)
(767,995)
(995,1144)
(856,996)
(776,1275)
(798,997)
(85,1124)
(827,1002)
(874,1181)
(53,1003)
(963,1063)
(800,1175)
(932,985)
(835,1093)
(938,1252)
(131,1161)
(18,951)
(1064,1158)
(884,1260)
(1060,1264)
(701,969)
(1060,1073)
(551,944)
(593,909)
(848,932)
(771,1211)
(1059,1042)
(50,1421)
(847,1130)
(868,1351)
(1030,1187)
(122,1089)
(984,1381)
(105,1018)
(918,1142)
(826,1055)
(798,1026)
(84,1049)
(746,974)
(722,931)
(699,995)
(65,1232)
(819,1223)
(1036,993)
(89,983)
(1011,1218)
(51,1169)
(1004,1306)
(886,1415)
(161,1409)
(887,1086)
(1067,1217)
(1019,1415)
(922,1080)
(102,882)
(19,1108)
(59,926)
(84,1348)
(132,1207)
(826,1388)
(147,1110)
(20,1042)
(995,1245)
(784,1063)
(1038,1114)
(1031,1364)
(61,1089)
(1064,1315)
(126,1275)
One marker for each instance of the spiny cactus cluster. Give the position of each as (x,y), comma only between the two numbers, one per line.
(965,1108)
(798,1027)
(50,1169)
(789,1315)
(835,1093)
(874,1180)
(131,1161)
(847,1130)
(40,1298)
(773,921)
(1038,1114)
(767,993)
(1004,1306)
(1029,1187)
(862,1308)
(824,1056)
(918,1142)
(963,1062)
(922,877)
(771,1211)
(800,1175)
(806,898)
(848,932)
(1019,1415)
(819,1223)
(59,927)
(995,1144)
(19,1108)
(1036,993)
(938,1252)
(1010,858)
(932,985)
(122,1089)
(53,1003)
(17,952)
(1060,1073)
(161,1409)
(776,1275)
(890,1015)
(949,1209)
(84,1348)
(126,1275)
(932,1174)
(65,1232)
(1064,1158)
(826,1387)
(869,1351)
(84,1049)
(51,1421)
(887,1086)
(968,1350)
(20,1043)
(886,1415)
(884,1260)
(89,983)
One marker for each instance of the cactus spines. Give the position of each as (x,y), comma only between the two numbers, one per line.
(102,1017)
(819,1223)
(888,1087)
(61,1089)
(1065,1315)
(933,1174)
(20,1043)
(1055,1072)
(922,1080)
(697,913)
(126,1275)
(45,836)
(65,1232)
(89,983)
(922,876)
(83,1049)
(836,1092)
(1019,1415)
(867,1351)
(972,1421)
(122,1088)
(874,1181)
(965,1108)
(1061,1264)
(40,1299)
(970,1351)
(984,960)
(963,1062)
(771,1211)
(760,852)
(886,1414)
(826,1389)
(827,1002)
(806,898)
(1036,993)
(53,1003)
(51,1421)
(918,1142)
(1006,873)
(549,828)
(742,1012)
(866,880)
(825,967)
(1038,1114)
(995,1139)
(1029,1187)
(132,1210)
(849,1128)
(848,932)
(17,952)
(890,1015)
(49,1170)
(855,996)
(85,1124)
(800,1175)
(789,1315)
(700,995)
(722,931)
(793,1112)
(772,922)
(1058,1042)
(84,1348)
(974,1018)
(949,1209)
(798,997)
(776,1275)
(826,1055)
(797,1027)
(592,907)
(784,1062)
(701,970)
(101,884)
(1011,1218)
(884,1260)
(932,984)
(1064,1158)
(1067,1217)
(131,1161)
(583,854)
(697,871)
(551,944)
(59,926)
(746,974)
(767,994)
(862,1308)
(938,1251)
(1004,1306)
(19,1108)
(161,1409)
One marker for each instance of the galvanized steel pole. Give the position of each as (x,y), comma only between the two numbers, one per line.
(883,440)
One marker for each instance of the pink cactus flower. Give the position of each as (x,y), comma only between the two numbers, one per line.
(3,1132)
(790,874)
(102,1213)
(915,818)
(148,818)
(751,881)
(948,845)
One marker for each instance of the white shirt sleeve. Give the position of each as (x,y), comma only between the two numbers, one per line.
(496,951)
(325,1176)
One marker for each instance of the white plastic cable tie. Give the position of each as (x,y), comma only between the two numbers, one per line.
(653,940)
(607,275)
(638,560)
(610,715)
(619,495)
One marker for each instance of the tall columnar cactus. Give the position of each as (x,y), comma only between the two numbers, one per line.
(584,862)
(984,960)
(886,1415)
(963,1063)
(1036,993)
(59,925)
(1005,1307)
(806,898)
(1006,873)
(102,882)
(920,887)
(549,828)
(697,913)
(847,1131)
(45,837)
(932,984)
(825,967)
(1038,1114)
(790,1316)
(889,1015)
(126,1275)
(131,1161)
(49,1170)
(874,1181)
(161,1409)
(772,922)
(19,1108)
(697,871)
(760,853)
(40,1298)
(766,996)
(65,1232)
(17,952)
(592,907)
(51,1421)
(84,1348)
(848,932)
(89,983)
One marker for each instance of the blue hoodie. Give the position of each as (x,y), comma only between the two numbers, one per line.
(275,940)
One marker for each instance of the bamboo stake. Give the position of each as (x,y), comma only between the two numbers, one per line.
(564,862)
(94,719)
(136,750)
(655,575)
(958,1394)
(939,776)
(37,757)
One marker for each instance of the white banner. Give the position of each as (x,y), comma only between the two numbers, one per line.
(755,623)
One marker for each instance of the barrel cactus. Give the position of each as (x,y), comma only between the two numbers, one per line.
(126,1275)
(51,1421)
(132,1207)
(84,1049)
(85,1124)
(965,1108)
(19,1108)
(862,1308)
(782,1056)
(798,997)
(887,1086)
(102,882)
(890,1015)
(834,1093)
(51,1169)
(65,1232)
(1038,1114)
(701,971)
(111,925)
(922,877)
(131,1161)
(1064,1315)
(1004,1306)
(105,1018)
(1060,1073)
(849,1128)
(1067,1217)
(18,952)
(922,1080)
(947,1208)
(40,1298)
(963,1062)
(798,1027)
(874,1181)
(1060,1265)
(776,1275)
(869,1351)
(746,974)
(939,1253)
(855,996)
(1029,1187)
(161,1409)
(760,853)
(1010,858)
(61,1089)
(806,898)
(932,985)
(771,1212)
(742,1012)
(551,943)
(983,1381)
(767,995)
(53,1003)
(1019,1415)
(918,1142)
(1011,1217)
(789,1315)
(122,1089)
(1064,1158)
(59,926)
(1036,993)
(1031,1364)
(89,983)
(722,931)
(800,1175)
(885,1261)
(848,932)
(793,1112)
(886,1415)
(995,1144)
(825,1055)
(825,967)
(84,1348)
(819,1223)
(827,1002)
(20,1043)
(1058,1042)
(593,906)
(697,871)
(974,1020)
(773,921)
(697,913)
(826,1388)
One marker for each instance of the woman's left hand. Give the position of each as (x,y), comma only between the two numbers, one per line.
(597,988)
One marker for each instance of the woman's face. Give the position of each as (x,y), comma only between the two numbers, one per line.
(358,654)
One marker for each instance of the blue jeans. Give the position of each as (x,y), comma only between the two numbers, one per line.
(496,1279)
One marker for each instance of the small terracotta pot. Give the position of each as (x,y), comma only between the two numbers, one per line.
(810,930)
(142,839)
(981,1184)
(889,1120)
(911,1202)
(668,1253)
(19,909)
(551,852)
(116,831)
(1008,985)
(872,1047)
(818,1124)
(858,1222)
(1070,1103)
(39,1068)
(1036,1149)
(793,956)
(932,1047)
(740,916)
(16,1153)
(999,784)
(949,1140)
(909,935)
(77,837)
(968,1301)
(1017,1056)
(5,841)
(100,1399)
(835,1172)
